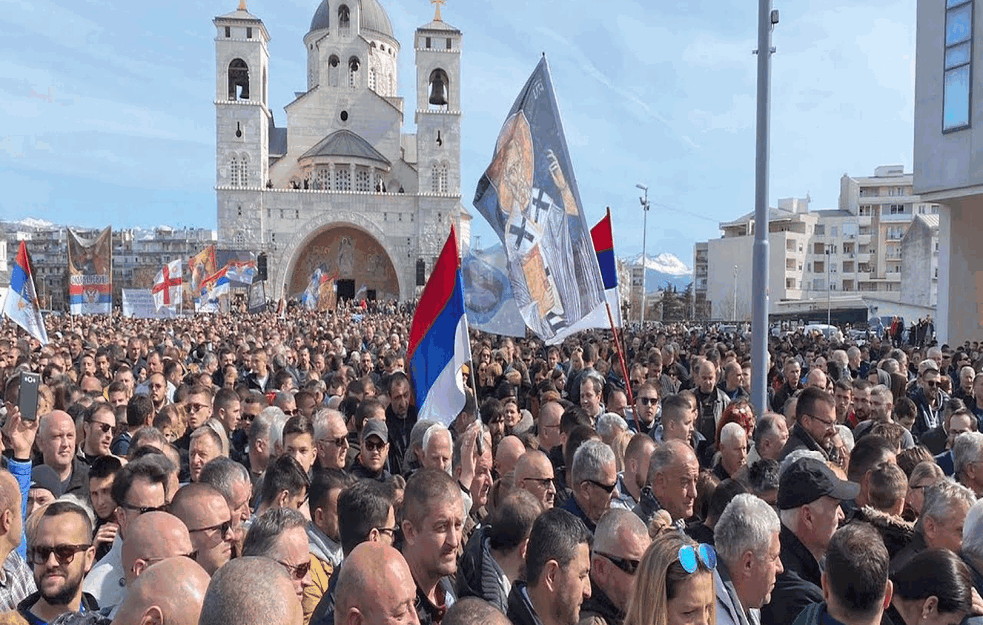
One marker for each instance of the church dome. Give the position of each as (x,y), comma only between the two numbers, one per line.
(374,17)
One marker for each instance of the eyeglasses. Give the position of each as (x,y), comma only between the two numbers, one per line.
(648,401)
(39,554)
(341,441)
(389,531)
(543,481)
(690,557)
(193,556)
(828,424)
(628,566)
(197,407)
(105,427)
(931,383)
(607,488)
(372,446)
(290,413)
(297,571)
(248,418)
(225,527)
(145,509)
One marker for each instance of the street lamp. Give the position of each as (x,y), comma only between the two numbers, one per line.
(733,315)
(645,213)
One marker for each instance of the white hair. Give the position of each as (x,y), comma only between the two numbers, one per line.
(432,431)
(967,449)
(590,460)
(278,419)
(322,419)
(797,455)
(846,436)
(747,524)
(941,498)
(732,432)
(608,422)
(973,531)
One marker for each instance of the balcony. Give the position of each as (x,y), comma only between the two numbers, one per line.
(864,220)
(896,218)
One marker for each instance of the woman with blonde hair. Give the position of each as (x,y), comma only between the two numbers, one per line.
(674,583)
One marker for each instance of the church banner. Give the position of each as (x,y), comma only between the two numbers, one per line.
(200,266)
(530,198)
(488,299)
(90,273)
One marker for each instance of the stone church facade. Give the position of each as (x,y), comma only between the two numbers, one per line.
(341,189)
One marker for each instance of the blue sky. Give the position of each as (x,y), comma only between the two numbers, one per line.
(106,109)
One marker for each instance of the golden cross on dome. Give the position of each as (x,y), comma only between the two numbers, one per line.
(437,4)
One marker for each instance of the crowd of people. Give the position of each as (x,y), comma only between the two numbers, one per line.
(272,468)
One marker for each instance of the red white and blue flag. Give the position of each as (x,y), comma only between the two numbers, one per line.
(438,346)
(21,305)
(168,286)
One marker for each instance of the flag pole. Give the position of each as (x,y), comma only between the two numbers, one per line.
(617,346)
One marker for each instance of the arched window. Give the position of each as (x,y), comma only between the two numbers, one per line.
(234,171)
(363,180)
(238,80)
(344,19)
(353,66)
(343,178)
(333,70)
(372,79)
(439,89)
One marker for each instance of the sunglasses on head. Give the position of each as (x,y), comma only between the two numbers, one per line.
(40,554)
(691,556)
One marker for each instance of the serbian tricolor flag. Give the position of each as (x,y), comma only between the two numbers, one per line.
(438,346)
(21,305)
(215,285)
(168,285)
(602,236)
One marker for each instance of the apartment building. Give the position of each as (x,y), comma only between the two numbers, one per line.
(848,257)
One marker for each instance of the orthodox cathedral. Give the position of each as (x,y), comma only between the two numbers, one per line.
(340,193)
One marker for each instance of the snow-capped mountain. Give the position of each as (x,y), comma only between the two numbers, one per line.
(664,269)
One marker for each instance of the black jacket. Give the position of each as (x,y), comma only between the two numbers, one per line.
(915,547)
(896,532)
(797,586)
(599,610)
(927,417)
(430,614)
(935,439)
(477,574)
(24,607)
(520,610)
(798,438)
(399,437)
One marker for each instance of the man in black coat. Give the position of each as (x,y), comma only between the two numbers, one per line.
(809,497)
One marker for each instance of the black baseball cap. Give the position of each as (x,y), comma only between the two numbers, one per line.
(809,479)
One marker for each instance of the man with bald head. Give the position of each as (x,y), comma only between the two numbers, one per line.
(620,542)
(534,473)
(817,378)
(710,400)
(375,586)
(18,577)
(186,583)
(56,440)
(153,537)
(206,514)
(548,425)
(251,591)
(510,449)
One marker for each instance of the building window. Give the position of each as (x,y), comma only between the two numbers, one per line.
(344,18)
(228,32)
(438,178)
(333,64)
(343,179)
(249,32)
(238,80)
(449,45)
(958,64)
(428,42)
(322,179)
(363,180)
(353,65)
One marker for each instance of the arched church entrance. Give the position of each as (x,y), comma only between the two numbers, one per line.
(342,262)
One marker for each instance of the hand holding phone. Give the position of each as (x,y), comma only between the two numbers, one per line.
(27,402)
